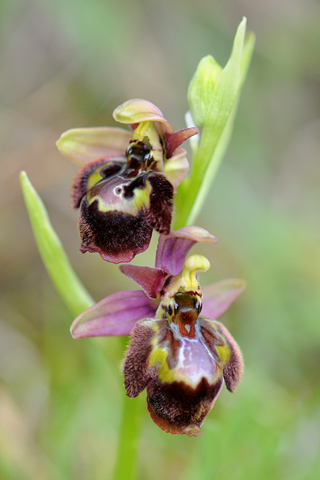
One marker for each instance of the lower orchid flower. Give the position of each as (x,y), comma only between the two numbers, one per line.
(180,357)
(127,182)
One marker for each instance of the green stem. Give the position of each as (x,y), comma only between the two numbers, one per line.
(191,187)
(125,466)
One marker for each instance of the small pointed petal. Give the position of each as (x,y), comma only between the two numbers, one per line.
(115,315)
(84,144)
(218,297)
(176,168)
(173,248)
(150,279)
(174,140)
(137,111)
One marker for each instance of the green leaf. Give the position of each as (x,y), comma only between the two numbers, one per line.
(52,253)
(130,427)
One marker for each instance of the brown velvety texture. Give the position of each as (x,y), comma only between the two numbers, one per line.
(136,374)
(115,234)
(175,407)
(159,214)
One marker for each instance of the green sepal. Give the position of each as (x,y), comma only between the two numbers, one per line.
(52,253)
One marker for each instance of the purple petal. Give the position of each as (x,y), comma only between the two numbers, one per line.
(115,315)
(218,297)
(174,140)
(173,248)
(150,279)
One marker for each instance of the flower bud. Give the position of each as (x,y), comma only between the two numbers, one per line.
(201,88)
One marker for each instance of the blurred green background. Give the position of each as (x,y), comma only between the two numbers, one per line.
(69,64)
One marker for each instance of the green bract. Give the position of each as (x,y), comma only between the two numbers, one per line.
(52,253)
(213,97)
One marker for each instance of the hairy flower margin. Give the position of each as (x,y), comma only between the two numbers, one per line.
(128,179)
(180,357)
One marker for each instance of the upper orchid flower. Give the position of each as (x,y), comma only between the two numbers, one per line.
(126,186)
(181,358)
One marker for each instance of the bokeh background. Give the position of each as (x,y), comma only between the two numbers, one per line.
(69,64)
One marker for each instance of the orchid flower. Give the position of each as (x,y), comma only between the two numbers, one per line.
(180,357)
(128,179)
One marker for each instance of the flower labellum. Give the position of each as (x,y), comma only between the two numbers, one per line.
(126,185)
(181,358)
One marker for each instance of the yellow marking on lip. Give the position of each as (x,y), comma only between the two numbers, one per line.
(95,177)
(224,353)
(142,196)
(158,358)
